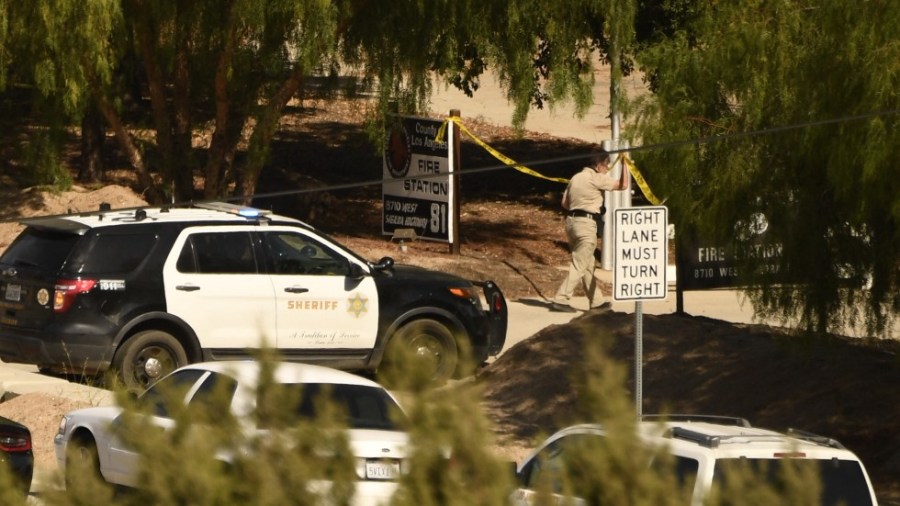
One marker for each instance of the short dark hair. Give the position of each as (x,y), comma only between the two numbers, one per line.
(601,156)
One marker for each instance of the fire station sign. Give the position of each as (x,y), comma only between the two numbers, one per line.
(417,190)
(641,253)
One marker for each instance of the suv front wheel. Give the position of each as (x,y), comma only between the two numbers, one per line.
(148,356)
(424,348)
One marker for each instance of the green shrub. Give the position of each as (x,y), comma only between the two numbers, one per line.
(450,461)
(41,157)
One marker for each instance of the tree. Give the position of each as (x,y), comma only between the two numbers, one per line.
(542,54)
(229,66)
(827,187)
(45,59)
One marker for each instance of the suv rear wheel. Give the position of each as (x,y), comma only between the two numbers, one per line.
(148,356)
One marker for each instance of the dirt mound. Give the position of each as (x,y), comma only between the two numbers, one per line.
(33,201)
(835,386)
(41,414)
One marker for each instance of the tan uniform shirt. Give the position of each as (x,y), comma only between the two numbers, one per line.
(585,190)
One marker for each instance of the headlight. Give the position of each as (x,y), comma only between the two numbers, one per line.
(62,425)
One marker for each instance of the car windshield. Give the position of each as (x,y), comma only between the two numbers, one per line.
(843,481)
(366,407)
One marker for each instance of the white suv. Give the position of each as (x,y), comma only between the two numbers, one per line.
(703,448)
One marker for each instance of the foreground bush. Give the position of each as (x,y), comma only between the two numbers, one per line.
(206,459)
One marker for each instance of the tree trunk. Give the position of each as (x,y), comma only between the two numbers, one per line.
(266,127)
(181,168)
(92,135)
(148,190)
(156,85)
(226,135)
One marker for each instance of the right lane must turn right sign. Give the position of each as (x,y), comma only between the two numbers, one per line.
(641,253)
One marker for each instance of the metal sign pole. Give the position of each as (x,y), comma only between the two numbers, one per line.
(638,358)
(453,146)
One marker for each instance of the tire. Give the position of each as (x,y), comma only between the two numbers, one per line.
(146,357)
(422,348)
(82,462)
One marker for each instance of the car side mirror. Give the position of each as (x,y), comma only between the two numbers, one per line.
(385,264)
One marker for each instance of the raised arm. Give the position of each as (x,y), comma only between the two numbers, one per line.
(622,182)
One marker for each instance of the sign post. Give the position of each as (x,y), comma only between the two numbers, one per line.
(639,273)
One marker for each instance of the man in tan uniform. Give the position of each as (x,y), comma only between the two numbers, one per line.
(583,200)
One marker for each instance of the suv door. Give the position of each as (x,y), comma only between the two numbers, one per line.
(213,282)
(319,304)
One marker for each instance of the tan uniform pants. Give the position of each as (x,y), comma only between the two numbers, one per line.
(582,234)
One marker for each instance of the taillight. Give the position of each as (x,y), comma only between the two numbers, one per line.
(66,290)
(15,442)
(497,304)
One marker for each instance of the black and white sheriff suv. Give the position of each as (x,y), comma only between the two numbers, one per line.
(148,290)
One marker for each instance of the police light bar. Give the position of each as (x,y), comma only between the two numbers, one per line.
(225,207)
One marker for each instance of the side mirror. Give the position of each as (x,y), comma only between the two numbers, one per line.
(386,263)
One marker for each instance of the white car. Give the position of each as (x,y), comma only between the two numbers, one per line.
(376,440)
(703,448)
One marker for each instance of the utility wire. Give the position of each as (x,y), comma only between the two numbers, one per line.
(492,168)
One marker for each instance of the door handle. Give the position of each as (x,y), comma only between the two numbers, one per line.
(296,289)
(187,288)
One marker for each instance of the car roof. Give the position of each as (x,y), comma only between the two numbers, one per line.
(215,212)
(693,436)
(732,441)
(247,372)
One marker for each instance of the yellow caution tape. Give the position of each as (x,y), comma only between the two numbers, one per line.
(641,182)
(496,154)
(632,168)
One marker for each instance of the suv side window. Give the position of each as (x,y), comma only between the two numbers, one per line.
(111,253)
(293,253)
(218,253)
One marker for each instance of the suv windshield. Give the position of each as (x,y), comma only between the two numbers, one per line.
(36,247)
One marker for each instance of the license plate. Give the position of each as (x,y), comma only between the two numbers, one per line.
(13,292)
(381,470)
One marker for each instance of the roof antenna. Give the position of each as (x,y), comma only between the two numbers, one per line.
(140,215)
